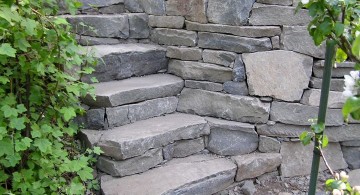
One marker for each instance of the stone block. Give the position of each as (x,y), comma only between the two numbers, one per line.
(224,58)
(276,2)
(354,177)
(138,26)
(184,53)
(113,9)
(117,116)
(99,3)
(236,88)
(166,36)
(312,98)
(193,10)
(352,156)
(338,72)
(185,148)
(296,67)
(336,84)
(353,143)
(90,41)
(233,43)
(239,73)
(95,118)
(275,41)
(166,21)
(153,7)
(205,85)
(90,138)
(269,145)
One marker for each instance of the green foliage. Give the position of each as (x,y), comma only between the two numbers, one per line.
(41,67)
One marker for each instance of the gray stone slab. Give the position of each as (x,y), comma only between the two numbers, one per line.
(276,2)
(95,118)
(353,143)
(269,144)
(224,58)
(153,7)
(339,72)
(113,9)
(298,114)
(312,98)
(116,116)
(354,177)
(193,10)
(116,93)
(199,71)
(233,43)
(336,84)
(99,3)
(205,85)
(275,41)
(134,139)
(242,31)
(138,26)
(130,166)
(237,108)
(254,165)
(90,41)
(239,73)
(166,21)
(90,138)
(184,53)
(295,158)
(203,177)
(352,156)
(296,67)
(185,148)
(236,88)
(166,36)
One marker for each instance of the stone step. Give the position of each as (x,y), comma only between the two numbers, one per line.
(136,89)
(125,60)
(136,139)
(200,175)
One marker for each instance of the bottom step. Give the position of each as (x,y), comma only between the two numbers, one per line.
(199,174)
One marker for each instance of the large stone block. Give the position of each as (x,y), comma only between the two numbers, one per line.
(352,156)
(193,10)
(173,37)
(200,71)
(298,114)
(138,24)
(297,38)
(287,74)
(237,108)
(354,177)
(236,88)
(312,98)
(153,7)
(116,116)
(205,85)
(269,144)
(224,58)
(231,138)
(166,21)
(185,148)
(232,12)
(184,53)
(233,43)
(95,118)
(295,158)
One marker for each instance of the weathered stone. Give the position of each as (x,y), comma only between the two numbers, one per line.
(138,26)
(168,152)
(242,31)
(269,145)
(152,108)
(116,93)
(99,3)
(173,37)
(231,138)
(294,75)
(268,176)
(185,148)
(295,158)
(113,9)
(239,74)
(353,143)
(90,138)
(232,12)
(116,116)
(166,21)
(236,88)
(312,98)
(339,72)
(253,165)
(352,156)
(90,41)
(126,60)
(335,84)
(184,53)
(134,139)
(275,41)
(297,38)
(224,58)
(193,10)
(199,176)
(237,108)
(200,71)
(248,188)
(354,177)
(276,2)
(279,15)
(298,114)
(233,43)
(95,118)
(130,166)
(133,5)
(153,7)
(205,85)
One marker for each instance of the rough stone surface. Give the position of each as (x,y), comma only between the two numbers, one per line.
(116,116)
(138,24)
(276,2)
(354,143)
(101,26)
(354,177)
(239,73)
(352,156)
(184,53)
(275,41)
(312,97)
(336,84)
(219,57)
(173,37)
(153,7)
(95,118)
(90,41)
(295,158)
(193,10)
(236,88)
(134,139)
(113,9)
(339,72)
(168,152)
(232,12)
(242,31)
(205,85)
(273,83)
(253,165)
(126,60)
(199,176)
(298,114)
(233,43)
(99,3)
(248,188)
(115,93)
(166,21)
(90,138)
(237,108)
(231,138)
(269,145)
(130,166)
(278,15)
(200,71)
(297,38)
(185,148)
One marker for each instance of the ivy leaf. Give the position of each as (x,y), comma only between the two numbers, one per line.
(7,49)
(318,128)
(30,26)
(21,108)
(4,80)
(17,123)
(85,174)
(3,132)
(13,159)
(339,29)
(6,147)
(97,150)
(68,113)
(9,112)
(305,138)
(356,46)
(22,145)
(3,176)
(352,104)
(43,144)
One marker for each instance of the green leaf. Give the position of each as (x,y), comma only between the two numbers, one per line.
(86,174)
(306,137)
(22,145)
(4,80)
(21,108)
(7,49)
(97,150)
(318,128)
(3,132)
(356,46)
(6,147)
(13,159)
(325,141)
(43,144)
(30,26)
(341,56)
(3,176)
(17,123)
(336,184)
(339,29)
(68,112)
(9,112)
(352,104)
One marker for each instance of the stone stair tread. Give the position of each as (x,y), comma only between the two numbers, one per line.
(136,89)
(200,175)
(103,50)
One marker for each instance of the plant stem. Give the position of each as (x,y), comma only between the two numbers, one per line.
(329,60)
(326,162)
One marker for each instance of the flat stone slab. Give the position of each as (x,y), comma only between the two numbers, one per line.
(312,98)
(354,177)
(115,93)
(166,21)
(135,139)
(269,144)
(223,58)
(276,2)
(254,165)
(205,85)
(99,3)
(165,36)
(230,107)
(193,10)
(127,60)
(201,176)
(352,156)
(296,158)
(184,53)
(339,72)
(336,84)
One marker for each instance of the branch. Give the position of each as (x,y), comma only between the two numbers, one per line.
(325,161)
